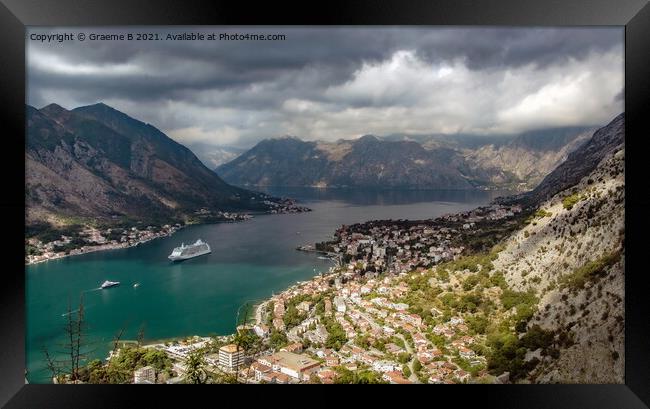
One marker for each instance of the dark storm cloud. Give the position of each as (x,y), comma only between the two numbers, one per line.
(330,82)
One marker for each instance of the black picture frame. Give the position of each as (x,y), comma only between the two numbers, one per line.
(15,15)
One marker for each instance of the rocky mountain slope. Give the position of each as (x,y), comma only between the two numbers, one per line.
(418,163)
(96,162)
(528,158)
(570,256)
(579,163)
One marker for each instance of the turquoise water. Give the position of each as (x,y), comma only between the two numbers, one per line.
(249,261)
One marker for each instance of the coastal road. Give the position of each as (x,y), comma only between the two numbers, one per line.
(258,313)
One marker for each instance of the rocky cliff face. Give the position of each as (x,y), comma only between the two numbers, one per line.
(527,159)
(425,163)
(96,162)
(571,256)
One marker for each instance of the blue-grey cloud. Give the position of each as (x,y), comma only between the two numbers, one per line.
(342,82)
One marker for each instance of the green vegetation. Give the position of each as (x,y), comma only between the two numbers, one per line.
(508,351)
(593,269)
(47,233)
(536,337)
(507,354)
(539,214)
(269,314)
(472,262)
(31,250)
(277,339)
(498,280)
(465,303)
(195,368)
(510,298)
(403,357)
(120,368)
(466,366)
(292,316)
(470,282)
(525,303)
(477,323)
(362,341)
(569,201)
(347,376)
(336,336)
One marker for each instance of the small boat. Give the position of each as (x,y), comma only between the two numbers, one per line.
(107,284)
(136,285)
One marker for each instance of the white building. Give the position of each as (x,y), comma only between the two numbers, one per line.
(339,303)
(231,356)
(261,330)
(144,375)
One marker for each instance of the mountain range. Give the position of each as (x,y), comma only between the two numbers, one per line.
(407,162)
(99,163)
(580,162)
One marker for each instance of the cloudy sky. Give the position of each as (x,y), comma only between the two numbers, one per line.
(331,83)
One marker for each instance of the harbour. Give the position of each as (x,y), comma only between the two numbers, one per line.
(201,296)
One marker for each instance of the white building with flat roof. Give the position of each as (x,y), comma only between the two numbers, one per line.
(231,356)
(339,303)
(144,375)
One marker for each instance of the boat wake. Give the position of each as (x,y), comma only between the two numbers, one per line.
(73,311)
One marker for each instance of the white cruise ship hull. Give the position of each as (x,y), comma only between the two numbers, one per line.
(186,257)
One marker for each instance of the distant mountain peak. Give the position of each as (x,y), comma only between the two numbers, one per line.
(287,137)
(98,107)
(399,160)
(368,138)
(53,109)
(53,106)
(95,161)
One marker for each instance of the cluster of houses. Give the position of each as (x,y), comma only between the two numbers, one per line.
(285,205)
(96,240)
(219,215)
(364,307)
(367,307)
(370,308)
(401,246)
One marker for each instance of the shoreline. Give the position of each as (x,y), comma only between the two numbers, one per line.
(105,247)
(119,246)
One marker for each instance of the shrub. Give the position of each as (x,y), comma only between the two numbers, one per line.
(536,337)
(510,298)
(579,277)
(478,324)
(470,282)
(569,201)
(498,280)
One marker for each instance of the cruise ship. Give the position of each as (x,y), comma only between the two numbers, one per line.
(193,250)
